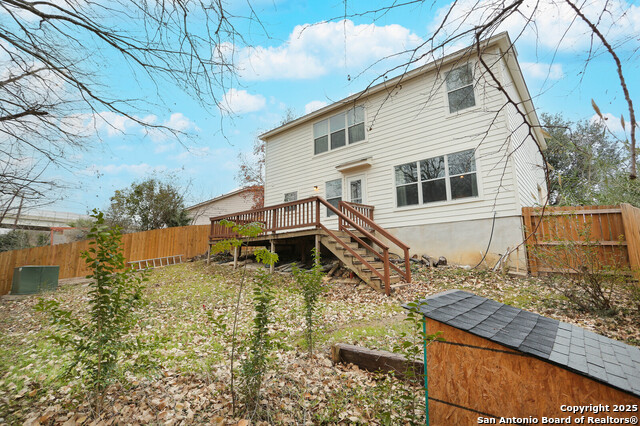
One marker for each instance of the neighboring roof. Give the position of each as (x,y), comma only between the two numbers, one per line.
(501,40)
(606,360)
(222,197)
(42,218)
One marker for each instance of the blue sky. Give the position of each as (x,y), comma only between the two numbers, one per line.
(304,67)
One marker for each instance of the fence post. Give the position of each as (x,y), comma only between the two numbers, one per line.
(631,225)
(529,239)
(407,266)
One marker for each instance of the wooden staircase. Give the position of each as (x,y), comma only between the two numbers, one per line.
(360,243)
(357,266)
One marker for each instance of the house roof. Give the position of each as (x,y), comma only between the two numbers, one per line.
(501,40)
(221,197)
(584,352)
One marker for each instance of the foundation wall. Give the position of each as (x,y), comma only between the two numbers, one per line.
(465,242)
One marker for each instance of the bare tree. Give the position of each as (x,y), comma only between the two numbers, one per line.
(470,22)
(251,171)
(54,56)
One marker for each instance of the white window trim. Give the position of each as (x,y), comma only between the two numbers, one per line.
(479,102)
(341,179)
(347,144)
(363,177)
(448,201)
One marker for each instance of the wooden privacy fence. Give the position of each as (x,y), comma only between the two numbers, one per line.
(563,239)
(188,241)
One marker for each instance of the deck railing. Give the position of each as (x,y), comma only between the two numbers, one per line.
(352,218)
(355,212)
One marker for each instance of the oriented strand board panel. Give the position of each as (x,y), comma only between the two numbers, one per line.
(486,377)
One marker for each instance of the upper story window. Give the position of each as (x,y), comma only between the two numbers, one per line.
(339,130)
(442,178)
(460,88)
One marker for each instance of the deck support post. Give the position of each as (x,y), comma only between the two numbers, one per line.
(317,259)
(273,250)
(235,257)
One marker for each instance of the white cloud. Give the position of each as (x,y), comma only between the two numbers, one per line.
(114,124)
(201,152)
(611,121)
(177,121)
(314,106)
(537,70)
(315,50)
(546,23)
(137,170)
(240,102)
(164,147)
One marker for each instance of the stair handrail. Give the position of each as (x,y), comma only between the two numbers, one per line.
(386,277)
(386,234)
(254,214)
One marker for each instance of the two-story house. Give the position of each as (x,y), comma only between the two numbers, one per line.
(448,154)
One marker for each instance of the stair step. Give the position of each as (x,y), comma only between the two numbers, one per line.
(354,246)
(392,280)
(352,262)
(375,263)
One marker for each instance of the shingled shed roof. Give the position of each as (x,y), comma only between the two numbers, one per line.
(606,360)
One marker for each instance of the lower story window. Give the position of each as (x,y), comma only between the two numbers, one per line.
(333,194)
(443,178)
(290,196)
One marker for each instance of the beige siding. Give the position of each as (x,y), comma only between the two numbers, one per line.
(527,160)
(231,204)
(413,123)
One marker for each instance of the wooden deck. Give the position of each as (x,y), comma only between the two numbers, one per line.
(360,243)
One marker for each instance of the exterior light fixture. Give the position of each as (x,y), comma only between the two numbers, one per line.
(316,189)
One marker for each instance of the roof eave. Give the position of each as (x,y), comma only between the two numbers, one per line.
(498,39)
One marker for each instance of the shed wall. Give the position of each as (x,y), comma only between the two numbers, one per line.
(493,379)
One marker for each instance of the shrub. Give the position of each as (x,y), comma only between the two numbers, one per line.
(401,400)
(255,365)
(14,240)
(580,275)
(98,341)
(310,286)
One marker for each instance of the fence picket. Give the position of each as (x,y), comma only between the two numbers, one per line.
(603,225)
(188,241)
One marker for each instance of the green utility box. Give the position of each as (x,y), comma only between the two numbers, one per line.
(34,279)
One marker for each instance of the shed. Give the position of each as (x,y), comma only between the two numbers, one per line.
(501,362)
